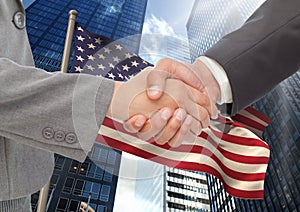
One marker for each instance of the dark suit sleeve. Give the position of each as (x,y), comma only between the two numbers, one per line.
(263,52)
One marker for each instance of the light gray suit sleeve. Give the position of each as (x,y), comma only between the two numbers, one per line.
(263,52)
(56,112)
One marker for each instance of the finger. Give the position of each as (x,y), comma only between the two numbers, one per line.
(199,113)
(167,68)
(214,111)
(196,126)
(155,124)
(156,81)
(172,127)
(184,134)
(135,123)
(201,98)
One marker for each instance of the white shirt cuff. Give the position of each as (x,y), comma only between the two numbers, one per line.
(221,77)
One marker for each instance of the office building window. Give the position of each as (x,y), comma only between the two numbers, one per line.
(78,187)
(95,171)
(59,162)
(108,175)
(83,168)
(105,191)
(62,205)
(74,166)
(176,206)
(68,185)
(92,189)
(73,207)
(101,208)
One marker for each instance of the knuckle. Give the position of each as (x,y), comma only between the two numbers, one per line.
(196,127)
(164,60)
(161,140)
(205,121)
(174,125)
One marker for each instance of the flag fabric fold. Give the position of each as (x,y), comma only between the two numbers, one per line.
(227,148)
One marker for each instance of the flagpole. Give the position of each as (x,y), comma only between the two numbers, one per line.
(43,196)
(68,43)
(41,207)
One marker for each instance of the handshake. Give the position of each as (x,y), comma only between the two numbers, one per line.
(171,102)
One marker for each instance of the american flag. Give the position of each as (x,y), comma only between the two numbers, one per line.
(98,55)
(226,149)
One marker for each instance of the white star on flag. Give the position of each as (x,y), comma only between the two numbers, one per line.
(121,76)
(78,69)
(90,67)
(111,75)
(100,66)
(91,46)
(116,59)
(134,63)
(91,57)
(98,40)
(126,68)
(119,47)
(80,58)
(79,48)
(107,50)
(101,56)
(80,38)
(128,55)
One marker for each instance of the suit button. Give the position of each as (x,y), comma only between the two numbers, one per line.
(59,136)
(19,20)
(48,133)
(71,138)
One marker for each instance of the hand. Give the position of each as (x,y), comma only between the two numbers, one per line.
(130,99)
(192,74)
(196,75)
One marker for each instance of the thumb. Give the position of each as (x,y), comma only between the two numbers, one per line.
(156,83)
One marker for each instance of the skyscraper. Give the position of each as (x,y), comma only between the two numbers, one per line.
(95,180)
(208,22)
(186,191)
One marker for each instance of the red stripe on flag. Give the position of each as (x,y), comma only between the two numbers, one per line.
(258,114)
(247,121)
(239,139)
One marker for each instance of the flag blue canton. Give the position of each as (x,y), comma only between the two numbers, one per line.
(101,56)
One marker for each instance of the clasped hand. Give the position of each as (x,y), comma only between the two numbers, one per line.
(172,114)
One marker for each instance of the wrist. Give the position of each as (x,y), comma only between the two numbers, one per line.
(116,88)
(208,80)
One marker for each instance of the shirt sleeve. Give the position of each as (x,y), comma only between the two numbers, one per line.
(220,75)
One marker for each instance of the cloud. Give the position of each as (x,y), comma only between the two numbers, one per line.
(155,25)
(158,39)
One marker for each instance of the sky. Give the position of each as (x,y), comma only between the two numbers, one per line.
(167,16)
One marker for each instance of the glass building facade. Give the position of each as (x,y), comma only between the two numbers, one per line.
(186,191)
(47,24)
(209,21)
(95,180)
